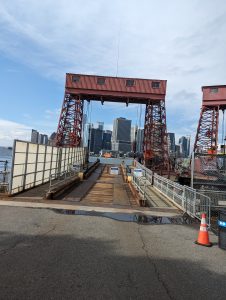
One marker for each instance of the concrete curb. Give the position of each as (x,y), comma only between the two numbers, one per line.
(87,208)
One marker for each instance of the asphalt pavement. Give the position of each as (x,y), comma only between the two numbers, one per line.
(48,255)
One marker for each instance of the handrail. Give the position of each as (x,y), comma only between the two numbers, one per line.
(186,198)
(60,177)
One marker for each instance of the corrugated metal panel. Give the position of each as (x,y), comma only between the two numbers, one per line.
(115,84)
(214,95)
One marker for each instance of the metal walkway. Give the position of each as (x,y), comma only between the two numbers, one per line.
(185,198)
(110,190)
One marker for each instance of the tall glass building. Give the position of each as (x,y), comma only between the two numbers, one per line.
(121,139)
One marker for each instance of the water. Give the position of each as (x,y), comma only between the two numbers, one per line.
(138,218)
(5,154)
(111,161)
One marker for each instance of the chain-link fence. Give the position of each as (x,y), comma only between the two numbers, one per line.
(209,172)
(209,178)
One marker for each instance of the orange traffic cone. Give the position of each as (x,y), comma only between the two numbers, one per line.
(203,238)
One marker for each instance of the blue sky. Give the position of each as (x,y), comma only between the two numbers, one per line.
(181,41)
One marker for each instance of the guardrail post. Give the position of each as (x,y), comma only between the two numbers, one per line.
(209,219)
(194,203)
(173,191)
(183,199)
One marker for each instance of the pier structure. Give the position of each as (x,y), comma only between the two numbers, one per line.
(150,92)
(213,101)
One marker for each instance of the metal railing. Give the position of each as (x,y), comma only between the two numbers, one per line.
(147,173)
(141,184)
(218,198)
(56,179)
(186,198)
(4,176)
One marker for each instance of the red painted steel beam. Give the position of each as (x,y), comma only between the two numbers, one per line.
(115,89)
(69,131)
(156,155)
(151,92)
(214,100)
(214,96)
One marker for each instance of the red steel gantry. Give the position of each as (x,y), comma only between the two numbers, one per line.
(117,89)
(214,100)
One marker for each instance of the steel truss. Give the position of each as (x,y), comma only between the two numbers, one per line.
(207,132)
(156,155)
(69,132)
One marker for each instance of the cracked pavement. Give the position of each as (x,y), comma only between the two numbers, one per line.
(46,255)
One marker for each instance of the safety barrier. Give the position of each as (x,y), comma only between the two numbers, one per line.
(55,179)
(34,164)
(184,197)
(4,177)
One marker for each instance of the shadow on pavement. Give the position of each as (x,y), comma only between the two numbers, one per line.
(58,266)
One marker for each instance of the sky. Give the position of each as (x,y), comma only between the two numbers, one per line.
(183,42)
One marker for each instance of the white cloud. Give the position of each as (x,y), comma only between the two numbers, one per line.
(181,41)
(11,130)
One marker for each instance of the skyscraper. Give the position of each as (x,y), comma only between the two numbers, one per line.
(133,138)
(171,144)
(140,139)
(96,140)
(52,137)
(107,140)
(39,138)
(184,143)
(121,136)
(100,125)
(34,136)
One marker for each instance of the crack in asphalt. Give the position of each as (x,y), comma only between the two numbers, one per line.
(6,250)
(157,273)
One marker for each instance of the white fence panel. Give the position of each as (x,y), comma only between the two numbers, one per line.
(33,164)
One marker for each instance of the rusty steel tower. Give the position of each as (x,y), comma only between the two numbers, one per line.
(149,92)
(214,100)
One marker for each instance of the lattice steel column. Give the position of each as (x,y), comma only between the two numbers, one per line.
(155,137)
(207,132)
(69,132)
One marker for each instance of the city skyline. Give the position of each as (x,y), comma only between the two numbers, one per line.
(35,54)
(136,135)
(97,137)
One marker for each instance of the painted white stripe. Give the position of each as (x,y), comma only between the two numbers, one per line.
(203,222)
(203,228)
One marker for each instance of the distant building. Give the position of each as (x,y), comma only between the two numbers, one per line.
(84,123)
(34,136)
(86,134)
(121,136)
(100,125)
(140,140)
(43,139)
(171,144)
(177,151)
(38,138)
(189,145)
(184,143)
(52,138)
(133,138)
(96,139)
(107,134)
